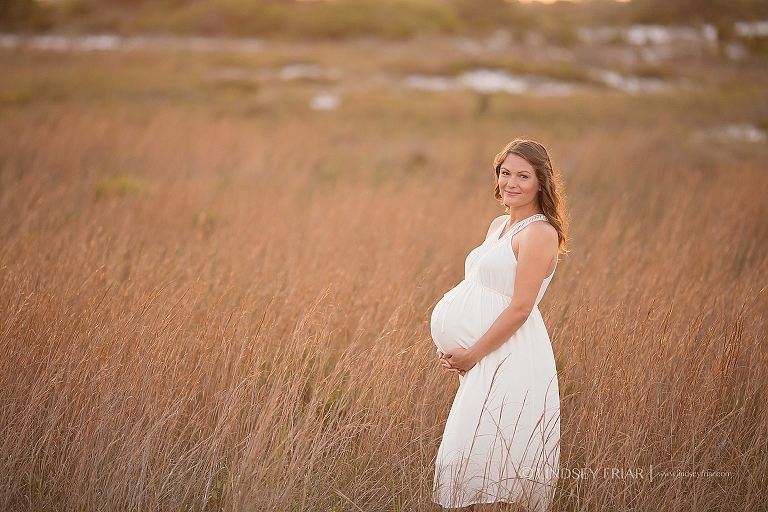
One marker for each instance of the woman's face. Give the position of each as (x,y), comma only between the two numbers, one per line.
(518,183)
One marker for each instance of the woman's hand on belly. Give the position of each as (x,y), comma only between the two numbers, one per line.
(459,359)
(445,364)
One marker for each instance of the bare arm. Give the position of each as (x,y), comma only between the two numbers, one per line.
(537,248)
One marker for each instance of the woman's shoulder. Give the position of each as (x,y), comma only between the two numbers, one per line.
(498,221)
(540,232)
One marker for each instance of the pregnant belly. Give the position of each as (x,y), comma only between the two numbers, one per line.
(464,314)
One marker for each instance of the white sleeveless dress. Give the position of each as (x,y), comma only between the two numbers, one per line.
(501,440)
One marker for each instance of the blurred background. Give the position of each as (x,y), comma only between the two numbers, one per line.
(556,22)
(224,225)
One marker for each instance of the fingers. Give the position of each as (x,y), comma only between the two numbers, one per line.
(445,363)
(452,369)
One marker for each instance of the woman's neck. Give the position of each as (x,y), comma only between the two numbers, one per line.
(518,214)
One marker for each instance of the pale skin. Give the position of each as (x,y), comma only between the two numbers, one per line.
(536,250)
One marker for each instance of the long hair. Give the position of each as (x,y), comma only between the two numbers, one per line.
(551,198)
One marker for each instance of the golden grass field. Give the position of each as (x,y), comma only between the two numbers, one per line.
(215,298)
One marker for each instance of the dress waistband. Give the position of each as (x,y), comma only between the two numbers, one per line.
(489,289)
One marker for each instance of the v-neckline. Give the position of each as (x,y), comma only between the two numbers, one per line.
(501,235)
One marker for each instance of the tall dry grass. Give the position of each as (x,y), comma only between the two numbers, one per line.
(204,311)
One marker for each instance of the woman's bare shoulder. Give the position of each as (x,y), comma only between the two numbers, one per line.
(498,221)
(541,233)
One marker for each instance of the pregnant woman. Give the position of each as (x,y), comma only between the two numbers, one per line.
(501,440)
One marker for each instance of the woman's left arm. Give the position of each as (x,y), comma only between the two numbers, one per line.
(535,256)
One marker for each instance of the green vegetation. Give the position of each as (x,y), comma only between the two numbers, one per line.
(351,18)
(120,185)
(26,14)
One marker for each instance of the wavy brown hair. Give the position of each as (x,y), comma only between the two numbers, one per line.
(551,198)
